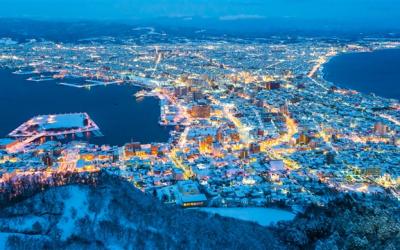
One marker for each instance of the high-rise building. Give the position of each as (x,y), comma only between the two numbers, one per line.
(219,137)
(380,128)
(255,148)
(244,153)
(200,111)
(372,171)
(181,91)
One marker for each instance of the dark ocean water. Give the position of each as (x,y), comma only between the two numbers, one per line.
(120,117)
(370,72)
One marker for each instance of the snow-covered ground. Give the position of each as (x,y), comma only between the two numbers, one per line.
(75,208)
(114,215)
(262,216)
(3,240)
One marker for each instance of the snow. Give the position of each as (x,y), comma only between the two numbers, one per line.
(3,240)
(359,187)
(7,41)
(277,165)
(76,202)
(24,223)
(193,198)
(262,216)
(63,121)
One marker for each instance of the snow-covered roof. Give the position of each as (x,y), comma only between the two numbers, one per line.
(61,121)
(193,198)
(6,141)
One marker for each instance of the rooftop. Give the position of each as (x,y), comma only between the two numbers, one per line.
(6,141)
(48,122)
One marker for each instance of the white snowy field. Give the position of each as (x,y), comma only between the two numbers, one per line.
(262,216)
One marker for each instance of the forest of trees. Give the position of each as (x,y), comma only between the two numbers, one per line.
(14,187)
(349,222)
(119,216)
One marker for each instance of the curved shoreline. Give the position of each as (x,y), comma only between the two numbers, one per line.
(120,117)
(322,72)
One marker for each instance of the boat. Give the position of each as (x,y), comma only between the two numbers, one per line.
(21,72)
(140,94)
(39,79)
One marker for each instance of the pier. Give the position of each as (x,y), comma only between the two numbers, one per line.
(92,83)
(52,126)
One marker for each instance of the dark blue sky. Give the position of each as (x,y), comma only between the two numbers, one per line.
(385,12)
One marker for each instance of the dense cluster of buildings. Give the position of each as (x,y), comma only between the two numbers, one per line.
(255,123)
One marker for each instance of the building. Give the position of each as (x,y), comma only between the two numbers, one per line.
(184,193)
(303,139)
(284,109)
(244,154)
(200,111)
(255,148)
(197,96)
(380,128)
(206,145)
(178,174)
(132,148)
(276,166)
(189,194)
(372,171)
(219,137)
(154,150)
(272,85)
(181,91)
(7,143)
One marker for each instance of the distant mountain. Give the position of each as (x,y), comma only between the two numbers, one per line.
(114,215)
(168,28)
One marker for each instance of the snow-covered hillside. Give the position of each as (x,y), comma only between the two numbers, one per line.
(113,215)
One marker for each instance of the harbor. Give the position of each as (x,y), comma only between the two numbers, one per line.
(90,84)
(51,126)
(118,114)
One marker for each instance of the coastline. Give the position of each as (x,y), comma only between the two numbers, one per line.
(322,72)
(113,117)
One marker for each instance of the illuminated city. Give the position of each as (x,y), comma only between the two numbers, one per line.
(236,131)
(251,123)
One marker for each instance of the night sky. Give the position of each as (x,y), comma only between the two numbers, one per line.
(385,11)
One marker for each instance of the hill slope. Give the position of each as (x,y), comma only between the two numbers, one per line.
(114,215)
